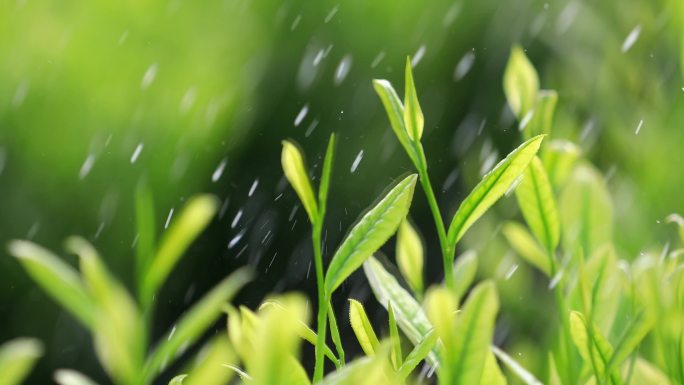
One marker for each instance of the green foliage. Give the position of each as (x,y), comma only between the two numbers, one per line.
(410,256)
(17,357)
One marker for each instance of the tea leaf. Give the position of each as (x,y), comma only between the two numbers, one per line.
(491,375)
(413,115)
(367,370)
(538,205)
(542,115)
(474,329)
(196,320)
(370,233)
(17,357)
(209,369)
(465,270)
(395,113)
(410,316)
(410,256)
(492,187)
(526,247)
(56,278)
(522,373)
(178,380)
(418,354)
(441,308)
(521,83)
(362,328)
(649,374)
(593,347)
(186,227)
(586,210)
(326,173)
(72,377)
(296,173)
(559,159)
(635,332)
(395,353)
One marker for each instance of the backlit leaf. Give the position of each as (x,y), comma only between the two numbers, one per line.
(395,113)
(521,83)
(410,256)
(17,358)
(526,246)
(413,115)
(296,173)
(362,328)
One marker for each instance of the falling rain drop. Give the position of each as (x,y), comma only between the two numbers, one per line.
(301,115)
(331,14)
(136,152)
(377,59)
(464,65)
(216,175)
(168,218)
(418,56)
(342,69)
(149,76)
(236,239)
(511,271)
(357,161)
(236,219)
(253,188)
(87,166)
(641,123)
(631,38)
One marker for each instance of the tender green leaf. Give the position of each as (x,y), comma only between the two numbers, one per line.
(56,278)
(370,233)
(413,115)
(465,270)
(196,320)
(395,112)
(362,328)
(526,247)
(335,333)
(295,171)
(410,316)
(635,332)
(559,159)
(396,356)
(72,377)
(592,346)
(441,307)
(492,375)
(209,369)
(178,380)
(146,227)
(492,187)
(185,228)
(418,354)
(17,358)
(538,205)
(463,361)
(646,373)
(521,83)
(367,370)
(541,119)
(522,373)
(119,331)
(410,256)
(326,173)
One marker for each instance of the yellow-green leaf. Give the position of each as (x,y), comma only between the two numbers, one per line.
(559,158)
(362,328)
(418,354)
(590,343)
(413,115)
(295,172)
(410,256)
(538,205)
(396,357)
(541,119)
(209,369)
(395,113)
(326,173)
(17,358)
(526,246)
(492,187)
(521,83)
(72,377)
(522,373)
(492,375)
(370,233)
(441,308)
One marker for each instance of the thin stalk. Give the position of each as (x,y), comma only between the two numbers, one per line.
(335,334)
(447,250)
(564,340)
(322,305)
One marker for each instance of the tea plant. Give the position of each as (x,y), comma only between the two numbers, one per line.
(118,322)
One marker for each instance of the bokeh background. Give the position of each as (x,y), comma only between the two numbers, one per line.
(196,97)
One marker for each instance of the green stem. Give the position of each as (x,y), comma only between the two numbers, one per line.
(565,339)
(322,305)
(447,250)
(335,334)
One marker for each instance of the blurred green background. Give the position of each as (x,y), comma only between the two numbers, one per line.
(196,97)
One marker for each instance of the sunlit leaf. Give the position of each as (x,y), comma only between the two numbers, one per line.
(591,344)
(491,374)
(410,256)
(196,320)
(296,173)
(559,158)
(541,119)
(521,83)
(396,356)
(194,217)
(441,307)
(367,370)
(636,330)
(679,221)
(492,187)
(538,205)
(648,374)
(17,358)
(395,113)
(56,278)
(209,369)
(370,233)
(465,270)
(418,354)
(362,328)
(178,380)
(526,246)
(327,172)
(413,115)
(72,377)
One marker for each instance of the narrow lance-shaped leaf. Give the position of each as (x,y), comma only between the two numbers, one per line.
(196,320)
(526,246)
(367,370)
(410,316)
(395,113)
(413,115)
(523,374)
(521,83)
(542,116)
(538,205)
(410,256)
(194,217)
(17,358)
(370,233)
(396,356)
(591,344)
(492,187)
(326,173)
(491,374)
(295,172)
(472,337)
(210,370)
(72,377)
(559,158)
(636,330)
(362,328)
(56,278)
(418,354)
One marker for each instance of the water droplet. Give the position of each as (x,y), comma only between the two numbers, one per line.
(631,38)
(136,152)
(216,175)
(464,65)
(87,166)
(511,271)
(236,239)
(253,188)
(149,76)
(377,59)
(187,100)
(295,23)
(168,218)
(641,123)
(342,69)
(357,161)
(418,56)
(236,219)
(301,115)
(331,14)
